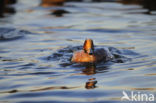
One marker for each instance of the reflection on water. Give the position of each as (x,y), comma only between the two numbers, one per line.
(147,4)
(59,13)
(5,8)
(48,3)
(91,84)
(36,49)
(90,69)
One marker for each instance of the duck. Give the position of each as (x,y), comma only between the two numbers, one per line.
(91,55)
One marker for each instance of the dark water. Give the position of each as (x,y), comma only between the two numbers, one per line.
(36,47)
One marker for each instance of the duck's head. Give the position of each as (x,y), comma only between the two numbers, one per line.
(88,46)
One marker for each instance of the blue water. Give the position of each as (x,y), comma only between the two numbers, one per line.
(34,70)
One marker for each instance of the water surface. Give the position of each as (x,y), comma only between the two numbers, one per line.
(30,73)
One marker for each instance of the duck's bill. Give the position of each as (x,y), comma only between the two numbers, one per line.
(90,52)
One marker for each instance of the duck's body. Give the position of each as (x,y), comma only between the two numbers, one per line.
(88,54)
(81,56)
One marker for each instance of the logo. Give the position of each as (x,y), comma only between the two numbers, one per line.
(137,96)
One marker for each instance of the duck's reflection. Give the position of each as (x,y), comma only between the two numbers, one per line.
(90,69)
(91,84)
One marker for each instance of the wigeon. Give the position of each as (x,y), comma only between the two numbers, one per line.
(91,55)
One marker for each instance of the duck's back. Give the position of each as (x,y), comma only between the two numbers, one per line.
(103,54)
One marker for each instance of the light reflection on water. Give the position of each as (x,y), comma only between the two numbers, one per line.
(27,75)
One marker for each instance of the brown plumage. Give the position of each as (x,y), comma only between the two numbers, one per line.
(89,54)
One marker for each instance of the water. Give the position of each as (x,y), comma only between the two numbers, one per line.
(34,70)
